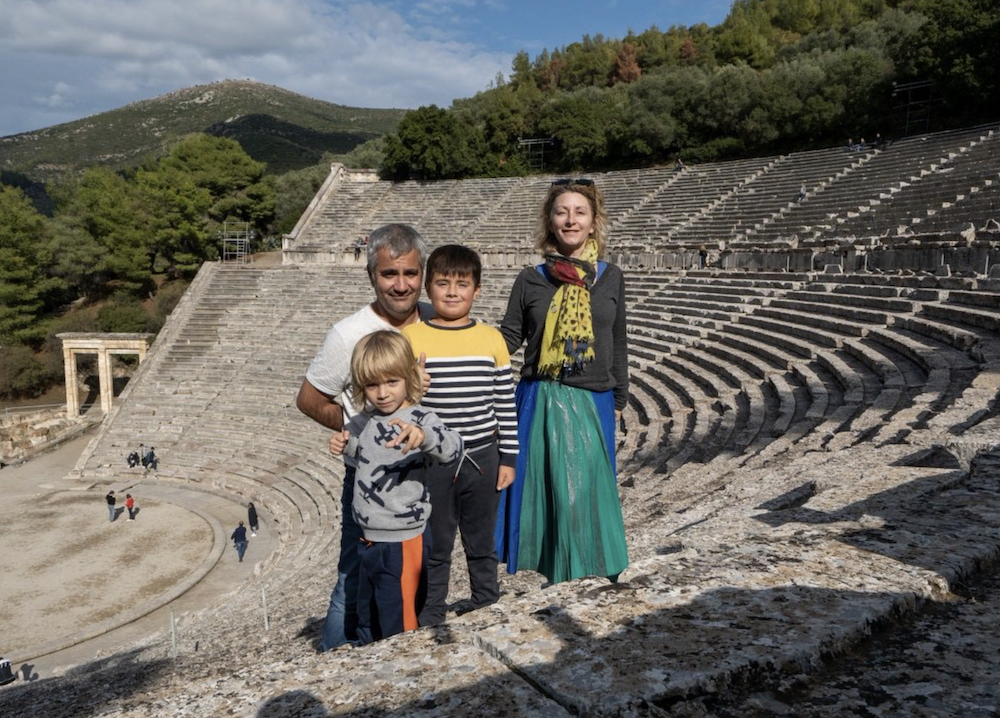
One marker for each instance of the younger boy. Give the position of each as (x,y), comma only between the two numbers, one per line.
(472,392)
(394,440)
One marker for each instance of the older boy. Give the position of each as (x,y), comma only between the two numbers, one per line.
(472,392)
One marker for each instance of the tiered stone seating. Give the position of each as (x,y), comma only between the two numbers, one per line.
(694,191)
(510,224)
(466,202)
(771,475)
(766,195)
(947,185)
(342,218)
(855,192)
(842,351)
(409,202)
(218,404)
(935,183)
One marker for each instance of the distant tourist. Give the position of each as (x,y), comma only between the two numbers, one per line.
(6,674)
(252,518)
(802,193)
(679,164)
(702,256)
(239,538)
(850,144)
(130,506)
(110,498)
(359,243)
(396,255)
(133,459)
(570,310)
(149,460)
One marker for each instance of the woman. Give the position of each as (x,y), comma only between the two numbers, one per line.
(562,516)
(252,518)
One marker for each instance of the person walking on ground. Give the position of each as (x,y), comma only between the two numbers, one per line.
(110,498)
(252,518)
(396,255)
(239,538)
(130,506)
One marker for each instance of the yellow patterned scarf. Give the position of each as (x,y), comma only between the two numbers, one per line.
(568,336)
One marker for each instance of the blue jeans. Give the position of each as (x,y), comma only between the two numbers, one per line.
(111,512)
(341,625)
(241,548)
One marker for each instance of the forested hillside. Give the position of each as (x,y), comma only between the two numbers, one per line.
(118,249)
(116,242)
(282,129)
(776,75)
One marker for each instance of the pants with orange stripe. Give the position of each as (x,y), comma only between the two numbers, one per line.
(392,586)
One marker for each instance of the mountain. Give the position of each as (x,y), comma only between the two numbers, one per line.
(286,130)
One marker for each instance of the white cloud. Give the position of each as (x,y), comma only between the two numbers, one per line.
(57,98)
(111,52)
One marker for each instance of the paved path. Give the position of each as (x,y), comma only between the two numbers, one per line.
(70,573)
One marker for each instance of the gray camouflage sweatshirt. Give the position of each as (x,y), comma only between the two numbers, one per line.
(391,502)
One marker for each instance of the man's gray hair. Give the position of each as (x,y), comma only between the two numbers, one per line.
(400,239)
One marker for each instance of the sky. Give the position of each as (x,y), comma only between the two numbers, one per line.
(62,60)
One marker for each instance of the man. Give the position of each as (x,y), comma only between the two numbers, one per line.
(396,255)
(110,499)
(239,537)
(149,460)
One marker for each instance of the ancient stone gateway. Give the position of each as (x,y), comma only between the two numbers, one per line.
(104,345)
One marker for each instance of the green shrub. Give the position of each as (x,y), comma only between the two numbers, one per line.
(84,320)
(22,376)
(123,314)
(167,298)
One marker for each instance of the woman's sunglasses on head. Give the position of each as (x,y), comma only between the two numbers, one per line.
(567,181)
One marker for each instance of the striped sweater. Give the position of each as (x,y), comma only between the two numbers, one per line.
(472,389)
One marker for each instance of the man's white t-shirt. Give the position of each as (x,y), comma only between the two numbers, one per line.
(330,371)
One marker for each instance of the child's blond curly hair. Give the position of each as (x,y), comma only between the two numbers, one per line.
(384,355)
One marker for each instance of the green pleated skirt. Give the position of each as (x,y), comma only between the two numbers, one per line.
(570,522)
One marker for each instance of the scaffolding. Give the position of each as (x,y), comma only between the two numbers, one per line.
(534,150)
(914,103)
(235,238)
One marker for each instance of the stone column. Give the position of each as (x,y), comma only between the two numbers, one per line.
(72,396)
(107,386)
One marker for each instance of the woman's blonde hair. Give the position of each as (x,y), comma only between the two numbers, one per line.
(545,240)
(384,355)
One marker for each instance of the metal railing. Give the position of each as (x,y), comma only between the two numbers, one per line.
(8,410)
